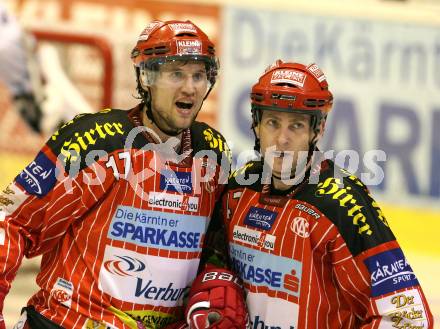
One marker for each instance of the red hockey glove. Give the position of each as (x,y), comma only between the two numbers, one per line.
(216,301)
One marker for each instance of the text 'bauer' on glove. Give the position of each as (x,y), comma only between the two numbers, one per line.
(216,301)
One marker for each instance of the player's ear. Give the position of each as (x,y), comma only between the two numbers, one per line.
(257,130)
(144,79)
(322,127)
(320,131)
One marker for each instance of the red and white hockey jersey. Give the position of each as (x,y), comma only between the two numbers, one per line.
(324,257)
(120,227)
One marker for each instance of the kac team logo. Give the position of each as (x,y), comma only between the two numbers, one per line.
(260,218)
(124,266)
(62,292)
(60,296)
(300,226)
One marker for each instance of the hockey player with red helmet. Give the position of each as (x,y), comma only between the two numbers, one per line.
(311,245)
(118,203)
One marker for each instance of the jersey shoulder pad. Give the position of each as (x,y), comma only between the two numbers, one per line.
(104,131)
(205,138)
(249,175)
(346,201)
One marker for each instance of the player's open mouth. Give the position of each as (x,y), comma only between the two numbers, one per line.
(184,105)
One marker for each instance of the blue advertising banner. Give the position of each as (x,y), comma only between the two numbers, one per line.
(385,77)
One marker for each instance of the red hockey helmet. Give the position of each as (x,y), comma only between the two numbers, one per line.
(292,87)
(175,40)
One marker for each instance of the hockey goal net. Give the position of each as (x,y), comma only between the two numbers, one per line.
(86,60)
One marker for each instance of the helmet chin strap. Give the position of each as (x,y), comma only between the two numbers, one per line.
(148,111)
